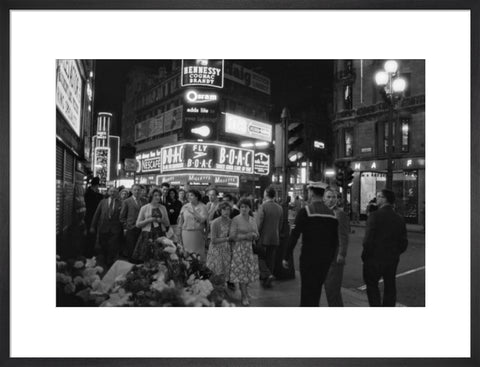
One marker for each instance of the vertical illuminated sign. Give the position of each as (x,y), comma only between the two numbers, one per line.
(101,166)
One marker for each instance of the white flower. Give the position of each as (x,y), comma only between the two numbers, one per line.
(173,257)
(90,263)
(88,272)
(78,265)
(99,269)
(117,299)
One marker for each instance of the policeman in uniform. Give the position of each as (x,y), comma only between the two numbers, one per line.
(318,226)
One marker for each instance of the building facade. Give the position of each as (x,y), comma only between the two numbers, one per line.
(74,129)
(360,128)
(203,123)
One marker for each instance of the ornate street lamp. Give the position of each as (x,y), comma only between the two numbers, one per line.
(392,88)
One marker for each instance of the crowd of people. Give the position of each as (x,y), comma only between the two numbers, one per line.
(239,239)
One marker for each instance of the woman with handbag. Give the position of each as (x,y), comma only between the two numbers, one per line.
(219,255)
(192,221)
(153,220)
(244,266)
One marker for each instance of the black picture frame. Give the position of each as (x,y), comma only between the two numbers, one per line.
(5,204)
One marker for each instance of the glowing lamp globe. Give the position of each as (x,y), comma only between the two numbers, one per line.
(381,78)
(391,66)
(399,85)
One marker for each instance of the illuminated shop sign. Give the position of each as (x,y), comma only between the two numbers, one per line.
(381,165)
(202,72)
(68,94)
(101,167)
(262,164)
(247,127)
(207,156)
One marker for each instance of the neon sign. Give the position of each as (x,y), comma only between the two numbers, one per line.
(262,164)
(195,97)
(207,156)
(101,167)
(243,126)
(204,72)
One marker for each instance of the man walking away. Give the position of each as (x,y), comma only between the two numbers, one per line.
(269,223)
(319,229)
(385,239)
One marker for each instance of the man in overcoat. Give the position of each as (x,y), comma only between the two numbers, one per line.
(385,240)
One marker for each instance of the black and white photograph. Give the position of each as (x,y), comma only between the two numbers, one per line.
(239,184)
(236,183)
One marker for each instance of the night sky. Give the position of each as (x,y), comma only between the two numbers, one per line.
(304,86)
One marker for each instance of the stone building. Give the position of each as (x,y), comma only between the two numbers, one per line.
(360,128)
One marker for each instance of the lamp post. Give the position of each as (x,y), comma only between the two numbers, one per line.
(392,87)
(285,117)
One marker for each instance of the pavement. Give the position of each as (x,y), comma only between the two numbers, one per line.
(417,228)
(286,293)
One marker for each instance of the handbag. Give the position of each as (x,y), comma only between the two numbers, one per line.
(258,249)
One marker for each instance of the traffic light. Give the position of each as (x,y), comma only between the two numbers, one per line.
(295,139)
(348,175)
(340,177)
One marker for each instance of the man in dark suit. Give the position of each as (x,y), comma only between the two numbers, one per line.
(164,188)
(106,223)
(92,199)
(128,218)
(385,239)
(269,222)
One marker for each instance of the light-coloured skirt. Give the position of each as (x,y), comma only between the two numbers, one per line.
(194,241)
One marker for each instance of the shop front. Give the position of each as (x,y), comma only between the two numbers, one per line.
(408,186)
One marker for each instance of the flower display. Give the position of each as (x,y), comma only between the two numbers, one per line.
(75,281)
(171,277)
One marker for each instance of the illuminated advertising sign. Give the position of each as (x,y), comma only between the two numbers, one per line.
(208,73)
(207,156)
(262,164)
(149,161)
(193,96)
(246,127)
(199,179)
(101,167)
(68,93)
(199,108)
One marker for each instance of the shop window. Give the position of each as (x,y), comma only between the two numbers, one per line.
(347,96)
(405,134)
(348,140)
